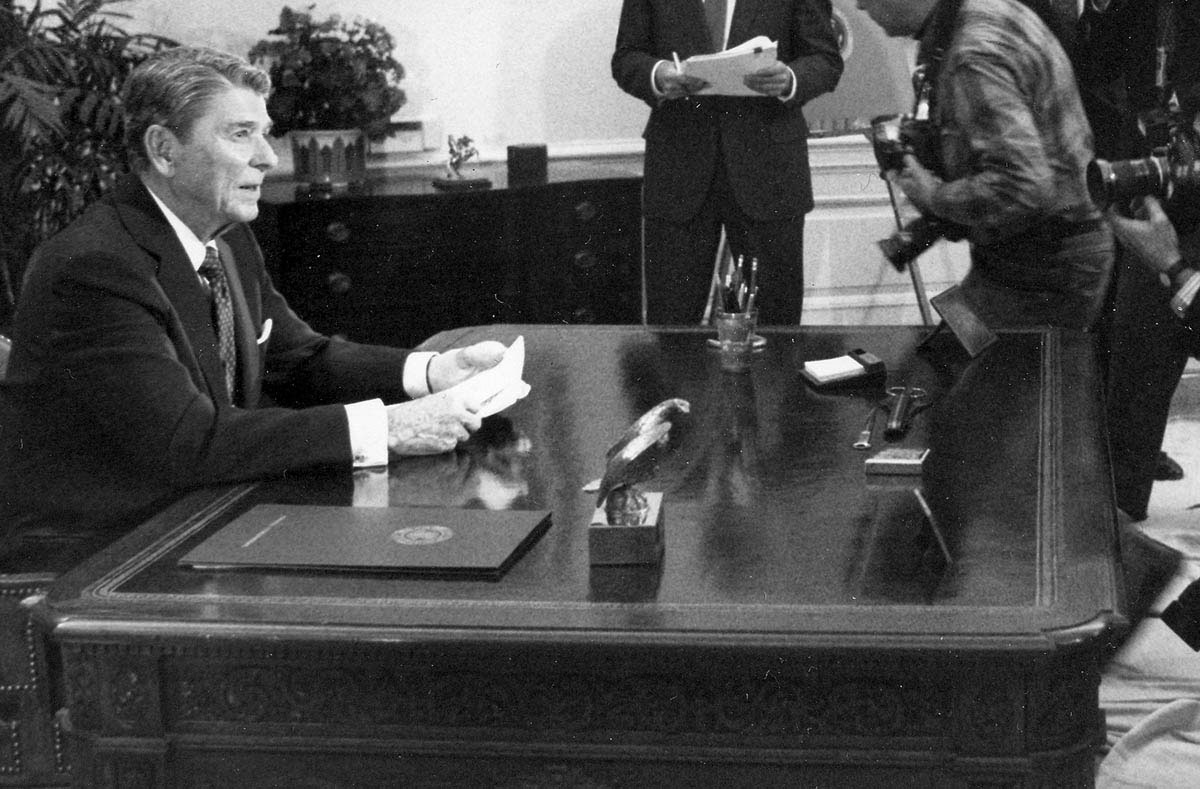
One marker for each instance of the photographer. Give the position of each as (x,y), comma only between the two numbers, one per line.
(1139,78)
(1013,146)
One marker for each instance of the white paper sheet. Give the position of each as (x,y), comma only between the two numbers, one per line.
(498,388)
(723,71)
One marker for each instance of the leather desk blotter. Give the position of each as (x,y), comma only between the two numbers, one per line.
(426,541)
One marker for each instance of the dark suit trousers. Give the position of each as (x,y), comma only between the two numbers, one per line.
(1148,349)
(679,260)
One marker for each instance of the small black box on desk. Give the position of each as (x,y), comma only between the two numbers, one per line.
(526,165)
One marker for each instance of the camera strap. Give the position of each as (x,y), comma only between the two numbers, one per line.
(934,38)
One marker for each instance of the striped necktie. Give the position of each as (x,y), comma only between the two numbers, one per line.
(714,11)
(218,285)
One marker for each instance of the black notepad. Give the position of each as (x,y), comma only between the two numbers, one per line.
(426,541)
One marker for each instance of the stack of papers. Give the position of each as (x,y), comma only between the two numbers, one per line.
(723,71)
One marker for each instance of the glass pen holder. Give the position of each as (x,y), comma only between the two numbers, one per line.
(736,339)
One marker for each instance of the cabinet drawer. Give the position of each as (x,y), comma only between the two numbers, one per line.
(398,222)
(579,209)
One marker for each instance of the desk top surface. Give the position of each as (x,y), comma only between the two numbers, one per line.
(775,536)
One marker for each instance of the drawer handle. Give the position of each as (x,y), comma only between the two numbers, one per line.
(586,211)
(583,314)
(337,232)
(585,259)
(339,284)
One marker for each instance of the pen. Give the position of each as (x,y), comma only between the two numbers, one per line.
(678,65)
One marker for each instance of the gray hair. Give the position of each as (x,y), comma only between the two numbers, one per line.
(173,88)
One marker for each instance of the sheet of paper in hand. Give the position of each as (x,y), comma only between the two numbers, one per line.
(501,386)
(723,71)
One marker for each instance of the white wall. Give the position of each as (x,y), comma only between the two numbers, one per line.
(515,71)
(502,71)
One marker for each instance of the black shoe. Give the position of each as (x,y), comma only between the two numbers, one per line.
(1166,469)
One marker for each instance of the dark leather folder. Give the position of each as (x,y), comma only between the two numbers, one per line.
(426,541)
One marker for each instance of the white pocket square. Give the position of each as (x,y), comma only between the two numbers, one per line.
(266,331)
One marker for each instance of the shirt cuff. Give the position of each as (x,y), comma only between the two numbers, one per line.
(368,432)
(416,373)
(791,94)
(1184,296)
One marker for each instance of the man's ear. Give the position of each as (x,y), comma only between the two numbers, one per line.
(161,146)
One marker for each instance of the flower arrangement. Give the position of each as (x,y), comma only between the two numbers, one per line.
(336,73)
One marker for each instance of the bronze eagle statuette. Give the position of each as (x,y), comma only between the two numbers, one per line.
(634,458)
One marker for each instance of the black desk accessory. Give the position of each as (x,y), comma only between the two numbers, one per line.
(958,315)
(526,165)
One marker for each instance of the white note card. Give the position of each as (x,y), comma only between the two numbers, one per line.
(499,387)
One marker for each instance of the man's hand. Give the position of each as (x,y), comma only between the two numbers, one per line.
(673,84)
(773,80)
(452,367)
(917,183)
(431,425)
(1150,236)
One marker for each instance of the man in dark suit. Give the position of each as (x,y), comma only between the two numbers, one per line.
(149,337)
(712,160)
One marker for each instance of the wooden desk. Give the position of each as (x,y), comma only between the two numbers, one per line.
(800,631)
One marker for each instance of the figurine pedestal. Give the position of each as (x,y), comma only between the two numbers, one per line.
(461,184)
(641,544)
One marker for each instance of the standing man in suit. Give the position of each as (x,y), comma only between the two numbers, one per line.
(148,332)
(740,162)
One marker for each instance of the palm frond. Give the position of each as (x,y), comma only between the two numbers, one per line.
(31,108)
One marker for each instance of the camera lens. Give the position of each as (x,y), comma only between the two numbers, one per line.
(1111,182)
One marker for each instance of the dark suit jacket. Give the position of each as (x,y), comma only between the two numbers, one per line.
(114,402)
(763,140)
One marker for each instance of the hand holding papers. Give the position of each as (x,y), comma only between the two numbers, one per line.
(725,71)
(438,422)
(498,387)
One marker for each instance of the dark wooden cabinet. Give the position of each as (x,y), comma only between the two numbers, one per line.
(398,261)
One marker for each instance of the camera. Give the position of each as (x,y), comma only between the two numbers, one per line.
(892,138)
(906,244)
(1169,173)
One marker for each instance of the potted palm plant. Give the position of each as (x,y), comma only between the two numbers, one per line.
(335,84)
(61,71)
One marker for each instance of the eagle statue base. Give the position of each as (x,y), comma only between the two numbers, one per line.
(637,537)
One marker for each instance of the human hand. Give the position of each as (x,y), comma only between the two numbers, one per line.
(917,183)
(457,365)
(773,80)
(1150,236)
(432,424)
(673,83)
